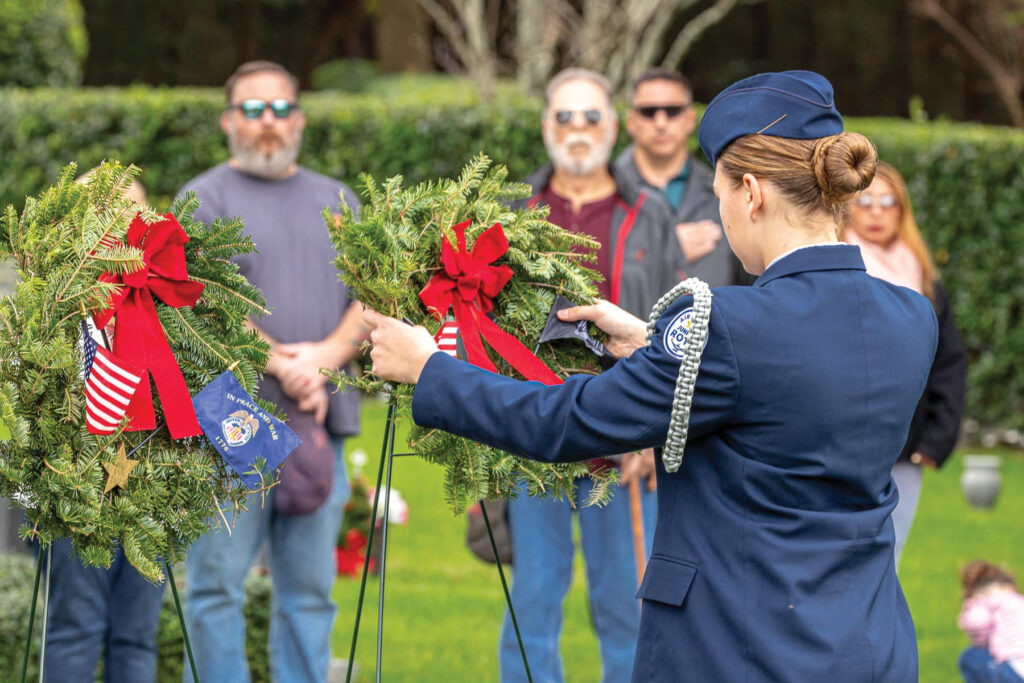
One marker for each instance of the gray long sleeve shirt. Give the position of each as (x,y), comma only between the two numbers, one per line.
(294,265)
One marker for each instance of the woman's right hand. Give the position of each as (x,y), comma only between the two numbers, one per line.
(400,350)
(626,332)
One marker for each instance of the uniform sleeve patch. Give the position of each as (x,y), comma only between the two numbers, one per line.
(678,333)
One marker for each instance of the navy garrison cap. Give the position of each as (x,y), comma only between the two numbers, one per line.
(788,104)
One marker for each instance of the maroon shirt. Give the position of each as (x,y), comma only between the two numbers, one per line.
(594,220)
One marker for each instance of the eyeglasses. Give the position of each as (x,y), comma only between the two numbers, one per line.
(253,109)
(592,116)
(671,110)
(884,201)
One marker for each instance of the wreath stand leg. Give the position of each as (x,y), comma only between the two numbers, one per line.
(32,613)
(383,541)
(387,455)
(46,610)
(181,620)
(508,596)
(389,427)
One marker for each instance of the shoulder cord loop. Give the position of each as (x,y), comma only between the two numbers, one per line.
(682,399)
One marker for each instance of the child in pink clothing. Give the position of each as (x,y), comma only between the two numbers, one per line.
(993,619)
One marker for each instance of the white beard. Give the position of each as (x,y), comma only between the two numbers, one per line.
(597,156)
(249,159)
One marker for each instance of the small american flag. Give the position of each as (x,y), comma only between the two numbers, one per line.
(447,337)
(109,386)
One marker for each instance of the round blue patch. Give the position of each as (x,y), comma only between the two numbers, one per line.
(678,332)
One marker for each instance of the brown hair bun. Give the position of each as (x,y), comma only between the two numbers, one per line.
(843,165)
(979,573)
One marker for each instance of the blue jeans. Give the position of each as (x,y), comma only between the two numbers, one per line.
(302,570)
(542,547)
(977,666)
(90,608)
(908,477)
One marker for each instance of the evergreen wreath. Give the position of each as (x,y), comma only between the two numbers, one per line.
(50,465)
(390,249)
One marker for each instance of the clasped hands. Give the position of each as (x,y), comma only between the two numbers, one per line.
(297,367)
(400,351)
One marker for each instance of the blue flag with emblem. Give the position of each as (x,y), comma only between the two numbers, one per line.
(241,431)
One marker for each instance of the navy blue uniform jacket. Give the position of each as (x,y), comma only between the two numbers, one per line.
(773,554)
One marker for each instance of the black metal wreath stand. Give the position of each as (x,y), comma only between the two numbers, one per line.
(46,601)
(387,455)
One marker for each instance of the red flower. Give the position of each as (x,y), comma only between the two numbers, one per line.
(352,555)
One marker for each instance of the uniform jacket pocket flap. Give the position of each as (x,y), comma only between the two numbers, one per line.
(667,580)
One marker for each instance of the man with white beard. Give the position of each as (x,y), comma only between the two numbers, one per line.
(637,261)
(312,325)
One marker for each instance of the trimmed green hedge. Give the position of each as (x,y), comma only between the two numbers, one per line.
(967,186)
(42,42)
(17,578)
(967,181)
(173,134)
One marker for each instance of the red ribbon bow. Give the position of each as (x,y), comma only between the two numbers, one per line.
(139,336)
(468,284)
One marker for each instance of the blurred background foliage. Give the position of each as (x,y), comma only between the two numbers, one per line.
(384,106)
(42,42)
(880,54)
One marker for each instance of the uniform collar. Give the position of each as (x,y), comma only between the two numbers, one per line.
(822,257)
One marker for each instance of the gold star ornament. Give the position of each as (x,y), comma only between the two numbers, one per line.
(117,471)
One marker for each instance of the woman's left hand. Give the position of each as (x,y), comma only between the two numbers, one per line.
(626,332)
(400,350)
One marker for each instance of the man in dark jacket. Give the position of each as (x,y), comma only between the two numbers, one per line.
(638,259)
(660,122)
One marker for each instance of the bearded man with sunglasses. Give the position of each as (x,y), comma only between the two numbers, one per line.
(637,259)
(660,122)
(313,324)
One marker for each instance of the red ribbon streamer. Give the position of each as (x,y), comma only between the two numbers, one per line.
(139,337)
(468,284)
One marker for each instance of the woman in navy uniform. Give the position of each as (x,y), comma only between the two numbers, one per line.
(773,554)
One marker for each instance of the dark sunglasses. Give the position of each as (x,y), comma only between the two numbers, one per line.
(671,110)
(591,116)
(253,109)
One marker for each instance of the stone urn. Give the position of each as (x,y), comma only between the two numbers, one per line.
(981,480)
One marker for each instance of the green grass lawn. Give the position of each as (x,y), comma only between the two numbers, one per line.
(443,607)
(946,535)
